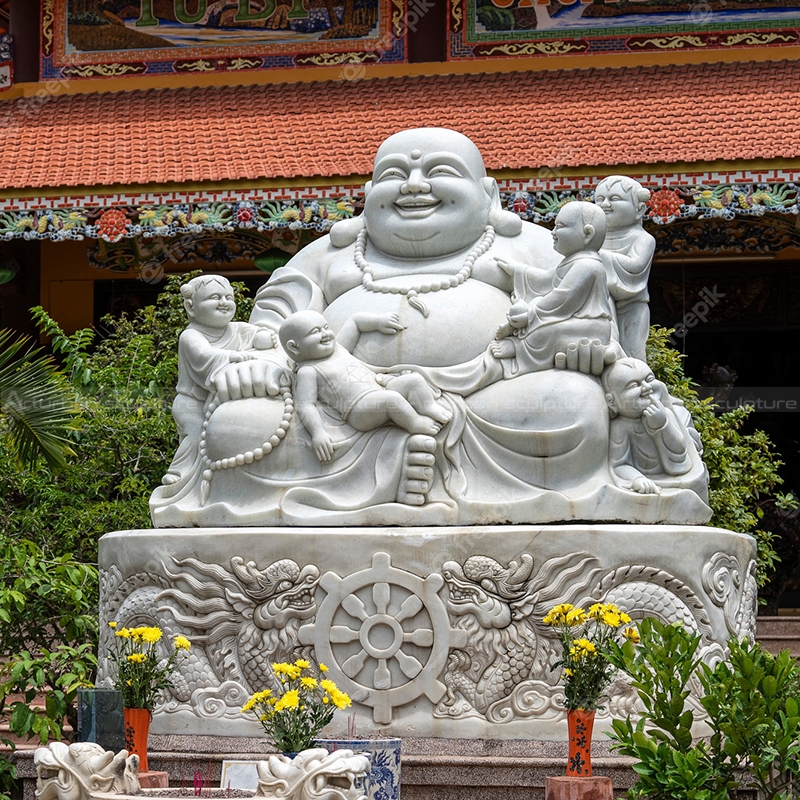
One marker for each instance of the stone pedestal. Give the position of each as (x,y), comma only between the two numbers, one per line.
(594,788)
(432,632)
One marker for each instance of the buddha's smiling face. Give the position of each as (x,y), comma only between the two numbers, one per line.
(429,195)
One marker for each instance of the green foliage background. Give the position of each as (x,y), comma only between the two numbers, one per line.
(742,468)
(51,521)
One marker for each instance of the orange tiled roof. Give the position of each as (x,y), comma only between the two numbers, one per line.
(643,115)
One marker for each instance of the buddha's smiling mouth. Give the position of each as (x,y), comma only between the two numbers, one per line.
(417,204)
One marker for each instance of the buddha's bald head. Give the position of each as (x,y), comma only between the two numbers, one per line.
(431,140)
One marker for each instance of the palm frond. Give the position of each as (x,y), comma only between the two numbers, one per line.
(36,402)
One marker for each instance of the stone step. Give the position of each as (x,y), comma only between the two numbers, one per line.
(431,769)
(781,624)
(778,633)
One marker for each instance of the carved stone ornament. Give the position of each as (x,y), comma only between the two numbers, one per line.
(77,771)
(314,774)
(436,361)
(431,631)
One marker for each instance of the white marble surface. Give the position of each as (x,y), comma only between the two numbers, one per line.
(432,631)
(459,380)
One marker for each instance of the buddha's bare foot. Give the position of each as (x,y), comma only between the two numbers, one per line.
(170,478)
(417,477)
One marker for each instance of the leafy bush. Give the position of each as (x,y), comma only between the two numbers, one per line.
(753,714)
(51,520)
(742,468)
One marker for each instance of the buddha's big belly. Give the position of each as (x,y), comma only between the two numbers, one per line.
(460,324)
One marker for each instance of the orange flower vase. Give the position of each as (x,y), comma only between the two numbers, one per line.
(137,729)
(580,723)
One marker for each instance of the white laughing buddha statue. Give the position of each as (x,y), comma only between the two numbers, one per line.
(432,251)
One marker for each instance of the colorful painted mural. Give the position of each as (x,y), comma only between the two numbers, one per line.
(100,38)
(6,61)
(508,28)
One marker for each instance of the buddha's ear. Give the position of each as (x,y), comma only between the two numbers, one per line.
(612,404)
(367,188)
(506,223)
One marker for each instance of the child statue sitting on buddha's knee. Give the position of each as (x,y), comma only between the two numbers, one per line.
(556,309)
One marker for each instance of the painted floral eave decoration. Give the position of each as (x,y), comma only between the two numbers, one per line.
(111,224)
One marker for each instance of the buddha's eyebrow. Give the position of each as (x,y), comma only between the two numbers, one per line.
(393,160)
(450,159)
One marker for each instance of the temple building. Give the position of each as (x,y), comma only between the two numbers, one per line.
(142,138)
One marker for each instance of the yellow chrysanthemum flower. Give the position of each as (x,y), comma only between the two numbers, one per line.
(612,619)
(150,635)
(309,683)
(329,686)
(596,610)
(340,700)
(576,617)
(123,633)
(582,648)
(302,663)
(558,614)
(290,700)
(632,635)
(323,668)
(112,625)
(182,643)
(137,658)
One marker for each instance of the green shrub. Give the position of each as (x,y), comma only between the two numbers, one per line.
(753,715)
(742,468)
(51,520)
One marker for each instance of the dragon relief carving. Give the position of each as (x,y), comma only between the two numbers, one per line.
(735,591)
(505,671)
(238,620)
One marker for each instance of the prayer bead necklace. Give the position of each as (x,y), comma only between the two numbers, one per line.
(412,293)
